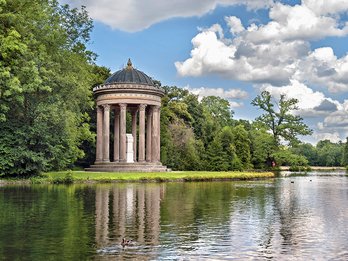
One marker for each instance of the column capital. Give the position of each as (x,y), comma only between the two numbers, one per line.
(123,106)
(142,107)
(156,108)
(106,107)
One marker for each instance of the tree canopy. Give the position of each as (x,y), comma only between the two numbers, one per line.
(279,118)
(46,74)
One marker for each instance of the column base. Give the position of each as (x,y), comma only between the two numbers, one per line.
(128,167)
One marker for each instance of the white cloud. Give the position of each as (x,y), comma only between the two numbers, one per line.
(234,24)
(273,62)
(332,136)
(231,94)
(323,7)
(322,67)
(234,104)
(226,94)
(277,52)
(307,98)
(330,116)
(136,15)
(297,22)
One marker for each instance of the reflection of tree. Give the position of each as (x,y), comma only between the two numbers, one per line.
(190,209)
(44,221)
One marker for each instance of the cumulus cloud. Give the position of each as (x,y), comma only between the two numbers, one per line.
(324,7)
(235,25)
(326,106)
(136,15)
(307,98)
(277,52)
(311,103)
(230,94)
(322,67)
(273,62)
(331,136)
(227,94)
(295,23)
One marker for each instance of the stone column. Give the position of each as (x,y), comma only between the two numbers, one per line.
(117,135)
(99,142)
(123,111)
(134,133)
(155,157)
(148,134)
(106,133)
(141,157)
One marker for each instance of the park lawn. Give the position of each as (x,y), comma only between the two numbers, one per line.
(84,176)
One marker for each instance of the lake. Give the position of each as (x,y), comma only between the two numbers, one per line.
(290,217)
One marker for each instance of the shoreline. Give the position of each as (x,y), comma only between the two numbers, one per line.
(83,177)
(315,168)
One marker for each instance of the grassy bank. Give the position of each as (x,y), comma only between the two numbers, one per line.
(90,177)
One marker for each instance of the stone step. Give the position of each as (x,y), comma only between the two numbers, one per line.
(127,168)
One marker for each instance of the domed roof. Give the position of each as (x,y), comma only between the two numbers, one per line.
(129,75)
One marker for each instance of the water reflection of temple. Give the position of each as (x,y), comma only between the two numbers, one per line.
(128,211)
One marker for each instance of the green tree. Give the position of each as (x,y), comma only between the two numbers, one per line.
(285,157)
(329,153)
(45,79)
(217,158)
(219,109)
(344,161)
(282,123)
(262,147)
(242,144)
(307,150)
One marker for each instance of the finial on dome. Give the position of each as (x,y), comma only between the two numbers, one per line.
(129,64)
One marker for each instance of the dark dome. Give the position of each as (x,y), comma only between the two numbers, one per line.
(129,75)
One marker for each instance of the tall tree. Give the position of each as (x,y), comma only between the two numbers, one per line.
(242,142)
(262,146)
(345,154)
(281,121)
(46,74)
(219,109)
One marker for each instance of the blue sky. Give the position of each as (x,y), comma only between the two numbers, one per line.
(235,49)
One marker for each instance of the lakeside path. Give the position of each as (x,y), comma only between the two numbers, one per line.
(107,177)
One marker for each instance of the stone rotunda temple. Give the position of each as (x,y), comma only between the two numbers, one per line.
(128,90)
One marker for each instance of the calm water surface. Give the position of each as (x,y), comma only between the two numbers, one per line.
(288,218)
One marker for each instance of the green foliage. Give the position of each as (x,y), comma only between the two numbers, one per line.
(68,178)
(242,145)
(309,151)
(217,157)
(329,153)
(181,150)
(262,146)
(281,122)
(219,109)
(46,75)
(344,161)
(286,157)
